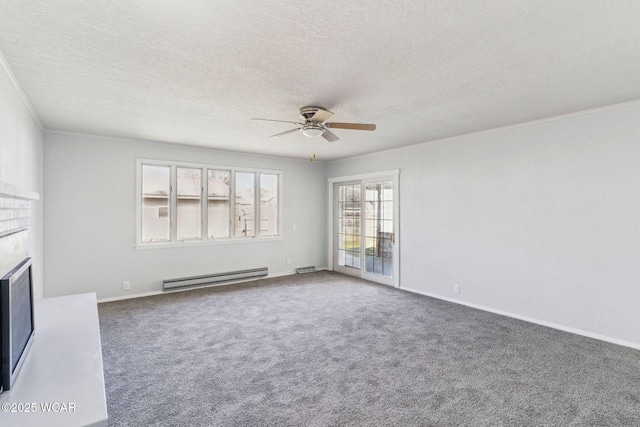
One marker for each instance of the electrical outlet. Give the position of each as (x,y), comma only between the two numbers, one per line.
(126,286)
(456,289)
(288,261)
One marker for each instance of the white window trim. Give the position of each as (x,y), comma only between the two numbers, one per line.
(205,240)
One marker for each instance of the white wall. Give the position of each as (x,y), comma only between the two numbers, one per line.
(21,161)
(541,220)
(90,218)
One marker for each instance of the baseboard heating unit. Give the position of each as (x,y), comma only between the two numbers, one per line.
(214,279)
(303,270)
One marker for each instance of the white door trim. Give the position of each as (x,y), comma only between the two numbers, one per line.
(393,173)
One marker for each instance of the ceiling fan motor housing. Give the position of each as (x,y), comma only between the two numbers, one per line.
(307,112)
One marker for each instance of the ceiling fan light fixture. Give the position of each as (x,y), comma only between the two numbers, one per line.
(312,131)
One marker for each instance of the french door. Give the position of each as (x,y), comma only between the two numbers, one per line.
(365,224)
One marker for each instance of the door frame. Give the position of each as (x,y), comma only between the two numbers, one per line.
(388,174)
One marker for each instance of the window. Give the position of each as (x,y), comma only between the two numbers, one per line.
(193,203)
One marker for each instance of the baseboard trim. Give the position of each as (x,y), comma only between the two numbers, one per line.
(527,319)
(132,296)
(152,293)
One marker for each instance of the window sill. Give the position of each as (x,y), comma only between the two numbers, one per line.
(196,243)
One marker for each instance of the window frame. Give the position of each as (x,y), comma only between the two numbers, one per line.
(204,237)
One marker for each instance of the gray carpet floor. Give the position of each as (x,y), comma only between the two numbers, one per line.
(325,349)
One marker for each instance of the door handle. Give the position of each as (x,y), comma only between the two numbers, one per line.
(393,238)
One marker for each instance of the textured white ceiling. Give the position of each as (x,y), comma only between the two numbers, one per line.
(197,71)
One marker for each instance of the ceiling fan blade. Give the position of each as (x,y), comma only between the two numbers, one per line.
(284,133)
(354,126)
(321,116)
(329,136)
(279,121)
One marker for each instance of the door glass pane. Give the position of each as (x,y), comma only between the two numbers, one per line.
(341,257)
(387,210)
(370,191)
(349,205)
(387,190)
(356,192)
(387,267)
(379,230)
(188,207)
(245,204)
(377,265)
(356,259)
(156,216)
(218,204)
(370,229)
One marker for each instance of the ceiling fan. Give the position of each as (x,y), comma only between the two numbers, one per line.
(315,124)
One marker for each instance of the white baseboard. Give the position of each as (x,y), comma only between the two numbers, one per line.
(131,296)
(527,319)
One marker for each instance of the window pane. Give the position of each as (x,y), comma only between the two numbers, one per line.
(268,205)
(189,185)
(156,185)
(218,203)
(245,205)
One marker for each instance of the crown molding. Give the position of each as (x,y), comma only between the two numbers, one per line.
(496,129)
(16,84)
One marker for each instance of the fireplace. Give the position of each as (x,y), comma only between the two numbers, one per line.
(16,281)
(16,320)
